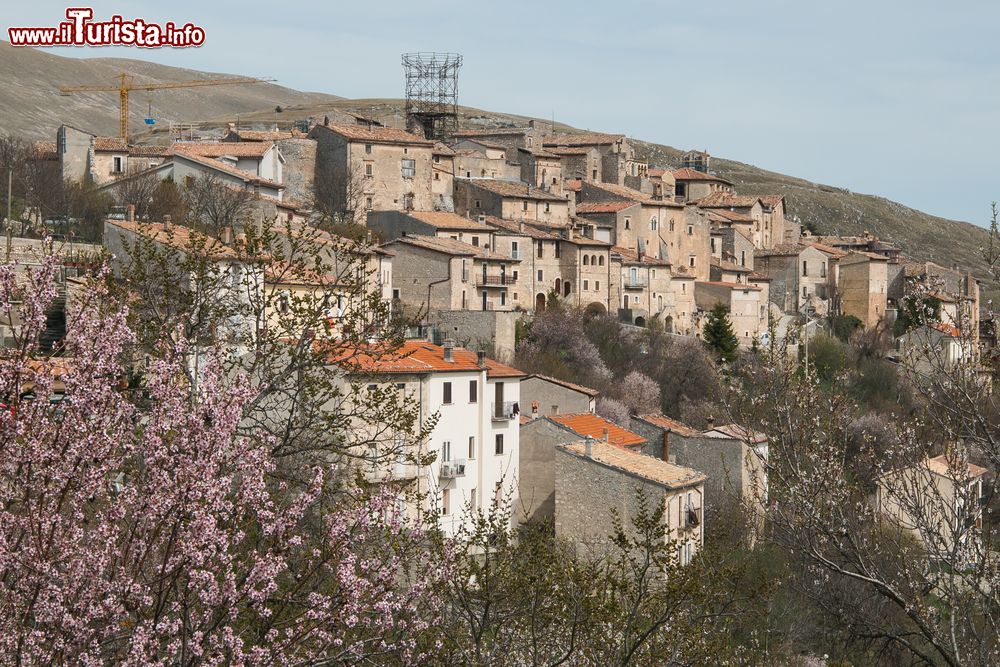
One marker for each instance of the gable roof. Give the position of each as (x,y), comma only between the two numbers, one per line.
(110,145)
(520,228)
(587,423)
(376,135)
(418,356)
(447,220)
(512,189)
(940,466)
(668,424)
(688,174)
(604,206)
(451,247)
(593,393)
(736,432)
(224,148)
(178,237)
(219,165)
(646,467)
(727,200)
(582,139)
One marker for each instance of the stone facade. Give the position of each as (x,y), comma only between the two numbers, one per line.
(747,306)
(510,201)
(863,287)
(543,395)
(491,330)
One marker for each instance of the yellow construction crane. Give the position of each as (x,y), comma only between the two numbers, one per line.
(127,84)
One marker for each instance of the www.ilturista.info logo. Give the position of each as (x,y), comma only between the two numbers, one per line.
(80,30)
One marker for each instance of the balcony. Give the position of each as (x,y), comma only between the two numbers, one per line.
(691,518)
(634,282)
(495,281)
(504,411)
(452,469)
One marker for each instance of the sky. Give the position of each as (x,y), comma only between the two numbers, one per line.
(893,98)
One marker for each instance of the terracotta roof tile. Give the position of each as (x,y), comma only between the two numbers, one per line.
(604,206)
(727,200)
(647,467)
(664,422)
(573,184)
(495,132)
(593,393)
(178,237)
(446,220)
(688,174)
(567,150)
(377,135)
(729,216)
(941,466)
(227,168)
(512,189)
(110,145)
(521,228)
(149,151)
(223,148)
(418,356)
(451,247)
(587,423)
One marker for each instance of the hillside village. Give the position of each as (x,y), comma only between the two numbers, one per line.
(478,231)
(390,290)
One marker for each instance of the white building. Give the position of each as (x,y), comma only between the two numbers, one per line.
(475,440)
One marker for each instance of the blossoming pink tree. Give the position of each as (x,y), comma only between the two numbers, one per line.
(142,527)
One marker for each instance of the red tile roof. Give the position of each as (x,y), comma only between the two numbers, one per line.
(110,145)
(495,132)
(220,149)
(521,228)
(587,423)
(730,216)
(573,184)
(418,356)
(664,422)
(688,174)
(604,206)
(178,237)
(263,135)
(149,151)
(567,150)
(947,329)
(451,247)
(377,135)
(446,220)
(941,466)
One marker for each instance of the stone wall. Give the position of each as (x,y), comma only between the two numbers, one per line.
(300,168)
(488,330)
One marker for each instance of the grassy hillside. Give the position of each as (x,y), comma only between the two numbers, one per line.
(32,106)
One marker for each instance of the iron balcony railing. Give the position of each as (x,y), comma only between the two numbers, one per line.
(495,281)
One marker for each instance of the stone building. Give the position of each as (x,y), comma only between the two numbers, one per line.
(445,274)
(746,303)
(539,438)
(443,182)
(642,288)
(543,395)
(361,168)
(510,201)
(581,163)
(800,276)
(260,158)
(597,483)
(614,151)
(863,281)
(391,225)
(693,185)
(733,458)
(86,157)
(541,169)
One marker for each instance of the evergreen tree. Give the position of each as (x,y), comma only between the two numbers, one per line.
(719,334)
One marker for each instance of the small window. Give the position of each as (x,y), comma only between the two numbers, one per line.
(472,446)
(540,278)
(690,230)
(445,505)
(547,207)
(368,149)
(369,204)
(437,160)
(447,393)
(628,222)
(805,268)
(556,246)
(477,204)
(446,451)
(498,444)
(597,285)
(524,206)
(473,391)
(586,285)
(369,170)
(119,164)
(408,167)
(540,250)
(600,260)
(586,260)
(691,261)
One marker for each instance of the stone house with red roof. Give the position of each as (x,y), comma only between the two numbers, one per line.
(373,168)
(84,156)
(692,185)
(598,484)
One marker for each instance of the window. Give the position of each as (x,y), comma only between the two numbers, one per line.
(395,293)
(628,222)
(671,225)
(586,285)
(407,202)
(445,505)
(369,204)
(805,268)
(822,270)
(684,288)
(597,285)
(446,451)
(540,251)
(498,444)
(805,292)
(713,244)
(691,261)
(690,230)
(524,206)
(437,176)
(408,167)
(546,207)
(653,223)
(119,164)
(540,278)
(468,174)
(556,246)
(594,177)
(503,297)
(473,501)
(447,393)
(600,260)
(473,391)
(472,446)
(635,299)
(743,257)
(478,204)
(475,241)
(369,170)
(515,252)
(368,149)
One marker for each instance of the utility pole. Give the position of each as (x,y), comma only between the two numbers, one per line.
(10,180)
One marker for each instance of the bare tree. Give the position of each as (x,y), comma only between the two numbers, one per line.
(213,205)
(136,187)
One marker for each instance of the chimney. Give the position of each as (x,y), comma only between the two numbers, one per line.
(482,218)
(166,221)
(326,121)
(711,423)
(227,235)
(481,358)
(449,349)
(665,448)
(589,447)
(130,213)
(604,435)
(531,123)
(534,409)
(232,127)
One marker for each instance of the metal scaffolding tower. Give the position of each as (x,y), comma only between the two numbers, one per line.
(432,93)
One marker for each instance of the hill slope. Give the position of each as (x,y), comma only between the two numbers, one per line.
(32,106)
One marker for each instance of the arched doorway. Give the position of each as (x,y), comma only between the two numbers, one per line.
(595,309)
(558,286)
(640,321)
(540,303)
(567,288)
